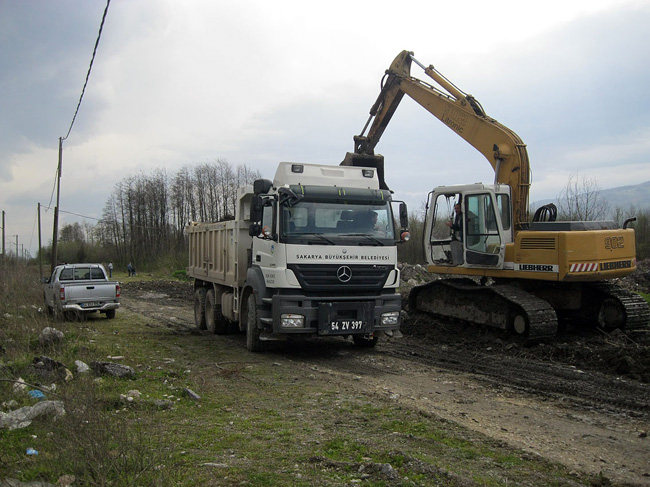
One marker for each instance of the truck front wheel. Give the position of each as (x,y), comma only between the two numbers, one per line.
(199,308)
(253,342)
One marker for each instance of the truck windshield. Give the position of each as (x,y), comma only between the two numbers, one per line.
(324,221)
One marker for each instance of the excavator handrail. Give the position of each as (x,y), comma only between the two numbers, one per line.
(462,113)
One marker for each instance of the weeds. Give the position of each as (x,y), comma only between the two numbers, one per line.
(258,422)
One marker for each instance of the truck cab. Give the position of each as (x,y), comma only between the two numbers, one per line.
(318,258)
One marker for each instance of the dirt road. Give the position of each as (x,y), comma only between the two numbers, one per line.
(583,401)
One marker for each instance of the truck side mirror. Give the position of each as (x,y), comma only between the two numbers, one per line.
(257,204)
(403,215)
(262,186)
(254,229)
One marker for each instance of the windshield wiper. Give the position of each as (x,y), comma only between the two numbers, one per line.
(369,237)
(311,242)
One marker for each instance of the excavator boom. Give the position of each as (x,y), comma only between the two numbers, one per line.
(503,148)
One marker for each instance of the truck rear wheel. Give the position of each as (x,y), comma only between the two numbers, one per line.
(214,320)
(110,314)
(199,308)
(253,342)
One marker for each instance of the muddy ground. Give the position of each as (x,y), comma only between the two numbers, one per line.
(582,400)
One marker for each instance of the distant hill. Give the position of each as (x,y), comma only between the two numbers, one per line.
(637,196)
(627,196)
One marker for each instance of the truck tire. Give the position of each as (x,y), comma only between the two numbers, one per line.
(253,342)
(215,322)
(110,314)
(199,308)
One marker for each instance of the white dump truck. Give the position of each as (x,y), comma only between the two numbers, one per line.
(311,253)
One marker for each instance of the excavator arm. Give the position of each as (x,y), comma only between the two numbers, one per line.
(463,114)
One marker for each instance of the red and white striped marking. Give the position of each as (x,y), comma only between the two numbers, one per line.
(584,267)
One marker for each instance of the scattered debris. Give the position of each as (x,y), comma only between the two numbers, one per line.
(82,368)
(112,369)
(22,417)
(36,394)
(191,394)
(50,336)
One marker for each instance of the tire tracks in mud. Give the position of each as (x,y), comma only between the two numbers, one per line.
(585,389)
(582,388)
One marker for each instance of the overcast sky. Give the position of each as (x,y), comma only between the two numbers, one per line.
(255,82)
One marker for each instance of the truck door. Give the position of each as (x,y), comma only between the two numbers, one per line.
(265,246)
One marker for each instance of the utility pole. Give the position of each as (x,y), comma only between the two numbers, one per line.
(3,234)
(40,254)
(56,208)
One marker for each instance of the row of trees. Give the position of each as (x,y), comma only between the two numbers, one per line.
(145,216)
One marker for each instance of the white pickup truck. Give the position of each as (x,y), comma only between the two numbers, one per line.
(80,289)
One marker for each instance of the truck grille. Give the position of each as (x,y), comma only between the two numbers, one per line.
(328,277)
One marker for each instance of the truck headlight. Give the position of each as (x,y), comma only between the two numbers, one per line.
(390,319)
(292,321)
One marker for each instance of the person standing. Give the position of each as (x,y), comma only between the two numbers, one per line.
(456,244)
(110,270)
(457,223)
(129,269)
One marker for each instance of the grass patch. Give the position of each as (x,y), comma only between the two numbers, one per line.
(261,420)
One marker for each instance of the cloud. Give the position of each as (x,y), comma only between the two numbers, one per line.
(257,82)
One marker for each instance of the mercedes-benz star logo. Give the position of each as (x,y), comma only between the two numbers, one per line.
(344,273)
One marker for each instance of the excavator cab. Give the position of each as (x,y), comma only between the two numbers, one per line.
(468,226)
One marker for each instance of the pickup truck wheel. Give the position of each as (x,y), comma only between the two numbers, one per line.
(215,322)
(253,342)
(110,314)
(199,308)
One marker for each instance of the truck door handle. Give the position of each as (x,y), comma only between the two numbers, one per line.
(90,287)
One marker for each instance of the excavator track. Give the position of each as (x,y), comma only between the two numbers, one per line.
(500,306)
(619,308)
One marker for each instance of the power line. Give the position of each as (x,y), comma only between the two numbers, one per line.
(72,213)
(101,27)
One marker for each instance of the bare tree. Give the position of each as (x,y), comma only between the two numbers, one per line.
(580,200)
(71,232)
(145,217)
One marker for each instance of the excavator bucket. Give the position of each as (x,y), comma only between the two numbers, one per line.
(367,160)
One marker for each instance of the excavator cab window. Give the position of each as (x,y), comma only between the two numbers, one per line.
(442,233)
(503,202)
(482,237)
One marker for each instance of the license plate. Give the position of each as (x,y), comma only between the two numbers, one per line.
(92,304)
(346,326)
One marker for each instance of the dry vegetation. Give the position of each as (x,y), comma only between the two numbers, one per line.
(261,420)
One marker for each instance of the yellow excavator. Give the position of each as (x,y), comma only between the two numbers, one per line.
(501,269)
